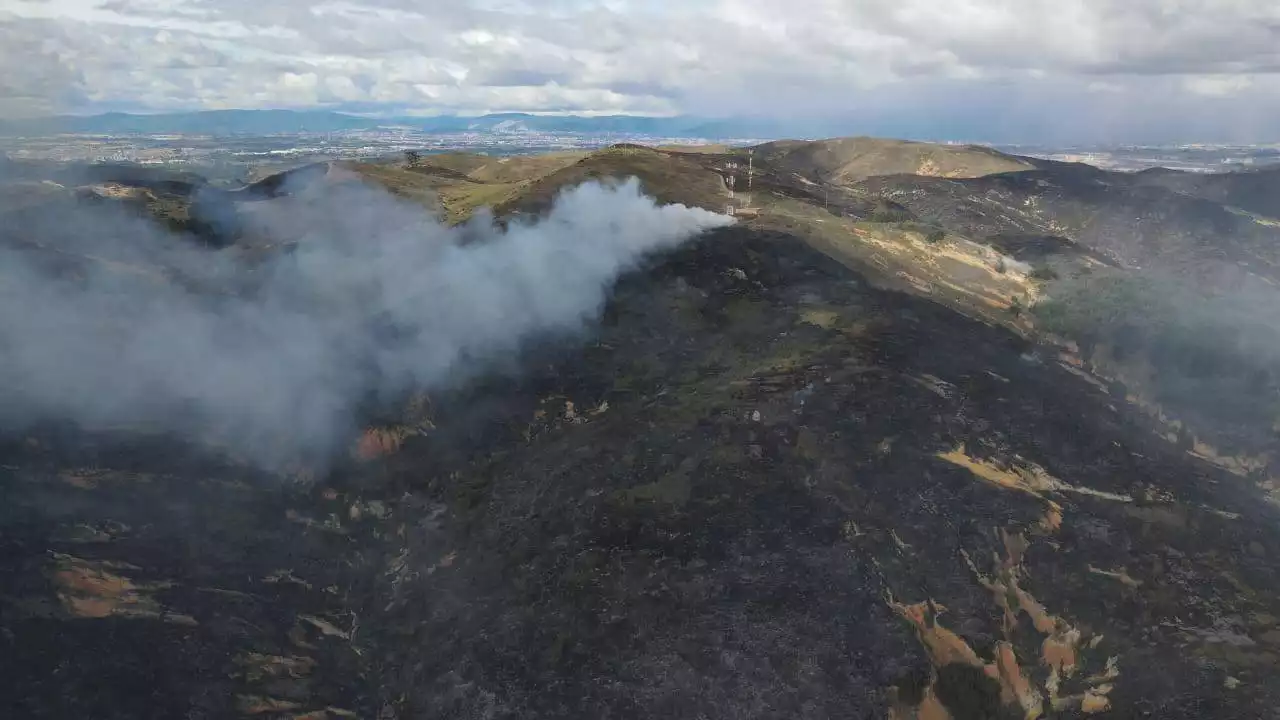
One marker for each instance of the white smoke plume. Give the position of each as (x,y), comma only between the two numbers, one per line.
(378,297)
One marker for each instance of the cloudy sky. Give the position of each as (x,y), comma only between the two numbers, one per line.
(1184,69)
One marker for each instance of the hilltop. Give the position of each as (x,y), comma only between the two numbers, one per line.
(894,445)
(850,159)
(1256,190)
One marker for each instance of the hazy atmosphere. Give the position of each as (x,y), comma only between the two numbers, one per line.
(1040,70)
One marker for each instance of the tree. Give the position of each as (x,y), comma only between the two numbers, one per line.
(412,157)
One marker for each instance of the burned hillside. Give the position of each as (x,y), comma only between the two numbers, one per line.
(777,475)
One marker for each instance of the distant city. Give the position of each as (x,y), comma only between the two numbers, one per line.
(229,156)
(1132,158)
(219,155)
(182,148)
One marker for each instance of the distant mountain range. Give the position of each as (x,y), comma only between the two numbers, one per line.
(268,122)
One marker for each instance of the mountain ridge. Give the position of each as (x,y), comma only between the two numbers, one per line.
(827,462)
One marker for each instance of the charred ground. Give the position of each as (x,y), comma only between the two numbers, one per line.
(812,466)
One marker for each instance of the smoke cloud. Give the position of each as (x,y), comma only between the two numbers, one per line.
(275,356)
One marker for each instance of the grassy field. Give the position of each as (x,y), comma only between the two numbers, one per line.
(460,183)
(668,177)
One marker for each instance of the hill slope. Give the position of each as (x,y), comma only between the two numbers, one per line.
(849,159)
(1113,213)
(815,465)
(1253,190)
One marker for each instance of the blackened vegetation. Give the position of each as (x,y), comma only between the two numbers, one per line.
(660,549)
(1040,249)
(1252,189)
(148,579)
(1208,359)
(969,694)
(702,510)
(1117,215)
(699,512)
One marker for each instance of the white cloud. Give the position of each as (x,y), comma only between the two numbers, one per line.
(1102,86)
(1218,85)
(700,56)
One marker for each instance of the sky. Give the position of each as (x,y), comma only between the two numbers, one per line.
(1015,69)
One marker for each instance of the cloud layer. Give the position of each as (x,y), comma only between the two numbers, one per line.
(1141,61)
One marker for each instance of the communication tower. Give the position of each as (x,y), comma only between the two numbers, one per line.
(740,205)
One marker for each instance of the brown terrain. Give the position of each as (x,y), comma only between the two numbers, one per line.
(831,462)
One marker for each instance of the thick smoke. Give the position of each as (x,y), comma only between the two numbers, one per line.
(1205,349)
(275,356)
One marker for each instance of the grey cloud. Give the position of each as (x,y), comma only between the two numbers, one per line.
(518,77)
(37,78)
(1121,36)
(717,56)
(639,89)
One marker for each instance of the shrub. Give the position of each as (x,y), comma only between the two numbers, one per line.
(1045,273)
(887,211)
(931,233)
